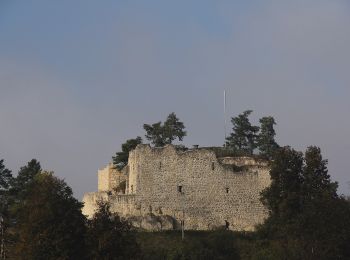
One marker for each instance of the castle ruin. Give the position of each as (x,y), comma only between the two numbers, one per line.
(161,188)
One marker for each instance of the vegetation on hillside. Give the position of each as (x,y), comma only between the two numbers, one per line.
(40,218)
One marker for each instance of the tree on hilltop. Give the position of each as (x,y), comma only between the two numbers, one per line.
(161,134)
(243,137)
(266,137)
(120,160)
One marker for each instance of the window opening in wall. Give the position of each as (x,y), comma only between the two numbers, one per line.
(132,188)
(227,190)
(179,188)
(160,165)
(212,166)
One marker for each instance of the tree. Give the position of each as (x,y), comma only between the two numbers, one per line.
(243,137)
(5,178)
(24,178)
(109,236)
(49,222)
(282,197)
(317,181)
(308,220)
(5,184)
(266,138)
(161,134)
(120,160)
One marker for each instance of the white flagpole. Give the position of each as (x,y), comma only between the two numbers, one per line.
(225,112)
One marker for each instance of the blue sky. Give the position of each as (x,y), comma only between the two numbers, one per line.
(78,78)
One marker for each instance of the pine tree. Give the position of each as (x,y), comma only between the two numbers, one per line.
(120,160)
(243,137)
(24,178)
(266,138)
(161,134)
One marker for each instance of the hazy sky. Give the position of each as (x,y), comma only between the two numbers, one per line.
(78,78)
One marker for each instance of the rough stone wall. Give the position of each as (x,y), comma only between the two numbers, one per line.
(213,190)
(109,178)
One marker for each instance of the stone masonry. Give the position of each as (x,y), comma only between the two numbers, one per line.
(195,186)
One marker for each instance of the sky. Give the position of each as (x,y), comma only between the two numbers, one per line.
(78,78)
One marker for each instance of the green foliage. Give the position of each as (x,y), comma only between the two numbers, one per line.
(24,179)
(161,134)
(110,237)
(266,138)
(308,220)
(49,222)
(5,185)
(243,137)
(5,177)
(282,197)
(197,245)
(120,160)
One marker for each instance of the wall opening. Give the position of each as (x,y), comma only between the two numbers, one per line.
(132,188)
(213,166)
(179,188)
(160,165)
(227,190)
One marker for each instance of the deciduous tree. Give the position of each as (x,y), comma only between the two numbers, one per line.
(109,236)
(49,224)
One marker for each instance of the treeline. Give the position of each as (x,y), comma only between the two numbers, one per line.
(40,219)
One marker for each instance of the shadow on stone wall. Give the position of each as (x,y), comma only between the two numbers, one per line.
(151,222)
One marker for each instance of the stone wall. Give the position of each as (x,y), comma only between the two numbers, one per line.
(124,205)
(211,192)
(193,185)
(109,178)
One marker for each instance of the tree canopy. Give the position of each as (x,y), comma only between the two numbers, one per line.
(109,236)
(266,137)
(49,224)
(5,178)
(5,185)
(161,134)
(243,137)
(24,178)
(308,220)
(120,160)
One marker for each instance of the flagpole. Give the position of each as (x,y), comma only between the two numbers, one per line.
(225,114)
